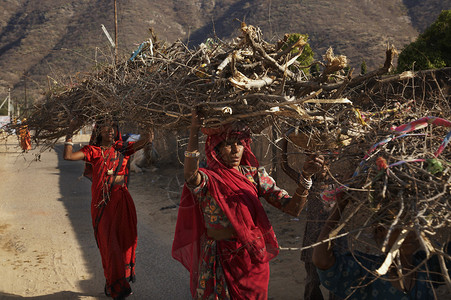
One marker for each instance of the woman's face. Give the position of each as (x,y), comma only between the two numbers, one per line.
(107,132)
(231,152)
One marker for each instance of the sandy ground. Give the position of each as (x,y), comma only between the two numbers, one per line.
(47,249)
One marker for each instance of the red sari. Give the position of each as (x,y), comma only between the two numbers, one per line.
(113,216)
(244,260)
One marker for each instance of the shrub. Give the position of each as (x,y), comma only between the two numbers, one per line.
(432,49)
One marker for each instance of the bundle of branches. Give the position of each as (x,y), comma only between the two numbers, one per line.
(394,99)
(404,183)
(247,79)
(425,87)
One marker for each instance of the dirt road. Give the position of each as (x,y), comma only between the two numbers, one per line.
(47,248)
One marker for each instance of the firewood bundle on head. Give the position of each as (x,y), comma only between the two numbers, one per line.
(404,184)
(248,79)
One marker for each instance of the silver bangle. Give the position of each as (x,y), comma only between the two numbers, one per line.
(306,183)
(68,143)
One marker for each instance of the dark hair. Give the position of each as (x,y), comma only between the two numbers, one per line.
(102,123)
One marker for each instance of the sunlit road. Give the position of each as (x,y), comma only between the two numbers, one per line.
(47,248)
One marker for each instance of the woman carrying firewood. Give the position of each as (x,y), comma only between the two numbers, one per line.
(223,235)
(403,197)
(112,209)
(317,212)
(354,275)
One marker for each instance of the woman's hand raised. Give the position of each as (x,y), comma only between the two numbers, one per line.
(313,164)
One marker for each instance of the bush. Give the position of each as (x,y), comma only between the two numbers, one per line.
(306,57)
(432,49)
(363,68)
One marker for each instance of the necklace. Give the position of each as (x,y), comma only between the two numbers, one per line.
(105,158)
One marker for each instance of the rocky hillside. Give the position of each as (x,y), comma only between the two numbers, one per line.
(46,40)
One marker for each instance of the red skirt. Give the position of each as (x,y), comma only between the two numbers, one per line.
(115,229)
(246,280)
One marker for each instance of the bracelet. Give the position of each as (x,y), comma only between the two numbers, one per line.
(68,143)
(192,154)
(306,183)
(302,196)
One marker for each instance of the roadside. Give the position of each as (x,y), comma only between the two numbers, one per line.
(47,250)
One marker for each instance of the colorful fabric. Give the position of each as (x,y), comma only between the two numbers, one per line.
(228,198)
(423,122)
(349,278)
(113,215)
(25,138)
(403,130)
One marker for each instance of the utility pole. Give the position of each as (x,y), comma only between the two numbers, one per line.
(16,109)
(115,32)
(9,103)
(25,74)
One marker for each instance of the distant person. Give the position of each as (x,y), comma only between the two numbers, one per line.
(223,235)
(25,137)
(112,209)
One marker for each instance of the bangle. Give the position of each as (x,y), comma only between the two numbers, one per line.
(192,154)
(302,196)
(306,183)
(68,143)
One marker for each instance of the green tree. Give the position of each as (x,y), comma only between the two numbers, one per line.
(363,68)
(307,55)
(432,49)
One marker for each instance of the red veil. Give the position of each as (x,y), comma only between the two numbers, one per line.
(238,199)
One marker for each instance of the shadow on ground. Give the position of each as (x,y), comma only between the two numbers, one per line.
(56,296)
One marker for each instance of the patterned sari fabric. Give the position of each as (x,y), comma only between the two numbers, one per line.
(349,277)
(237,268)
(113,215)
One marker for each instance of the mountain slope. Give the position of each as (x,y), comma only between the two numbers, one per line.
(47,39)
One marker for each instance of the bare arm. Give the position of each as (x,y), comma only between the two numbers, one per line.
(298,201)
(292,173)
(191,163)
(312,165)
(146,138)
(323,255)
(68,153)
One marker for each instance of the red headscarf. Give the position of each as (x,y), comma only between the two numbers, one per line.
(238,199)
